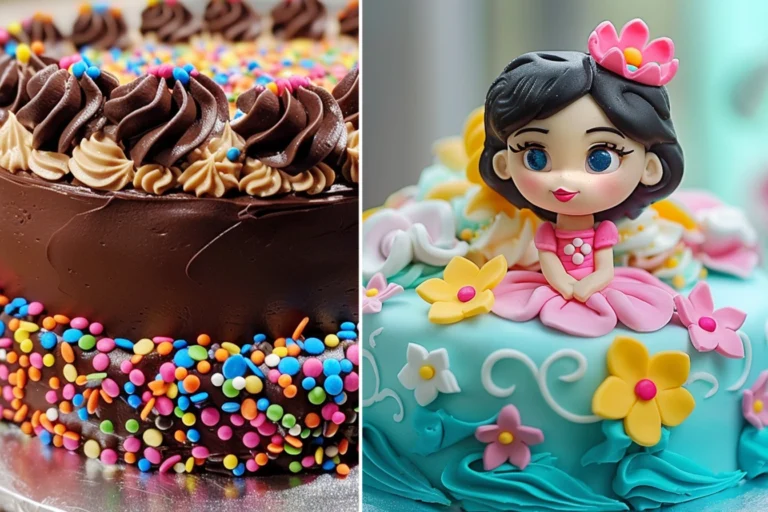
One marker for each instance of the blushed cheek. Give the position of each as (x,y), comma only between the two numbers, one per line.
(613,189)
(530,184)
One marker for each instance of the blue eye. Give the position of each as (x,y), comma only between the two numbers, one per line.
(602,160)
(536,160)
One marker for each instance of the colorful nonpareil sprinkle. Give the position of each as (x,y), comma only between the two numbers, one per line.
(289,404)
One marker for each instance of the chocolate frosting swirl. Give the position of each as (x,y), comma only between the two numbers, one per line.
(162,125)
(100,30)
(349,19)
(171,23)
(347,94)
(62,109)
(233,19)
(14,77)
(293,132)
(293,19)
(40,27)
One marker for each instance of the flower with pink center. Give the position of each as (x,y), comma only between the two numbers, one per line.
(377,291)
(708,328)
(754,402)
(508,440)
(631,55)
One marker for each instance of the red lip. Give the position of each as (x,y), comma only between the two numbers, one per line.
(564,195)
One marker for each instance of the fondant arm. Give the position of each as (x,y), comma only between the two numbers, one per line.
(557,277)
(597,280)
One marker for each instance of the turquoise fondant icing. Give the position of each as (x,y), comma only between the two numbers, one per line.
(437,430)
(540,486)
(415,274)
(553,384)
(385,470)
(617,444)
(753,451)
(651,480)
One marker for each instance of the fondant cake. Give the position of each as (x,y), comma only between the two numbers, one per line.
(548,324)
(178,264)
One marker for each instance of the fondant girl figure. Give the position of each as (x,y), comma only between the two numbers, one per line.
(584,140)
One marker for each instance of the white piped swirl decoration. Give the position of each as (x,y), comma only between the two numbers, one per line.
(540,375)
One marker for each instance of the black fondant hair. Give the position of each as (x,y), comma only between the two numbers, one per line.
(539,84)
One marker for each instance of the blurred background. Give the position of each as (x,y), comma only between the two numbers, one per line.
(430,63)
(65,11)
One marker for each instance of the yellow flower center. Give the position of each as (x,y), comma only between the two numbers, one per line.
(671,263)
(506,437)
(372,292)
(427,372)
(757,406)
(633,56)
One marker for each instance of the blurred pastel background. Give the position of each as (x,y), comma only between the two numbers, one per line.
(430,63)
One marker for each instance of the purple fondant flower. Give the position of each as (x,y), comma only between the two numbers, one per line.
(378,291)
(710,329)
(508,439)
(753,404)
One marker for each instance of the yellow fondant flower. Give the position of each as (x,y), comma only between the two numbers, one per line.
(646,392)
(464,291)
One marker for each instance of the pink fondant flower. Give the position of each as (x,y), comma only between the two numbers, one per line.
(378,291)
(710,329)
(631,55)
(753,404)
(508,439)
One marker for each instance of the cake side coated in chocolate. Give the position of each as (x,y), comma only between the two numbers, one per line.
(180,266)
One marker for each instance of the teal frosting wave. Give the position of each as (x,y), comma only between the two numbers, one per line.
(617,444)
(541,486)
(753,451)
(651,480)
(385,470)
(437,430)
(415,274)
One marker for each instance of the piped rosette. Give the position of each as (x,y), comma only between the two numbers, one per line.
(17,67)
(349,19)
(169,21)
(100,27)
(290,128)
(347,94)
(234,20)
(655,244)
(299,19)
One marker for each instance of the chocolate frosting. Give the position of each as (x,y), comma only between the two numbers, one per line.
(146,265)
(349,19)
(347,94)
(293,19)
(233,19)
(63,110)
(171,23)
(162,125)
(40,27)
(14,77)
(292,132)
(100,30)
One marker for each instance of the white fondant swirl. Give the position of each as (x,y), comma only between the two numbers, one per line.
(747,363)
(705,377)
(540,375)
(380,394)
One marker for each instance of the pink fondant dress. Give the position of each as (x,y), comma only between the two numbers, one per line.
(635,298)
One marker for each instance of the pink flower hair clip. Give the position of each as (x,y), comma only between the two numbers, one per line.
(631,56)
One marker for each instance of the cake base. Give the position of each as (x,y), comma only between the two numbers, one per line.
(70,482)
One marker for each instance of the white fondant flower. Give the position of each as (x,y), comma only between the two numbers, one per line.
(427,374)
(418,232)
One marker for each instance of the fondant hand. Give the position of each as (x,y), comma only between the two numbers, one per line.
(556,276)
(597,280)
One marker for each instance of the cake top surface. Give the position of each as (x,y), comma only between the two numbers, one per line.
(215,107)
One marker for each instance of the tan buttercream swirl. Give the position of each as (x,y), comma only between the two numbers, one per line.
(49,165)
(99,163)
(228,139)
(15,145)
(313,181)
(262,180)
(156,179)
(351,168)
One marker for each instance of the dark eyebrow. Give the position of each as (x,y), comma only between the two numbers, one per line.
(532,129)
(606,129)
